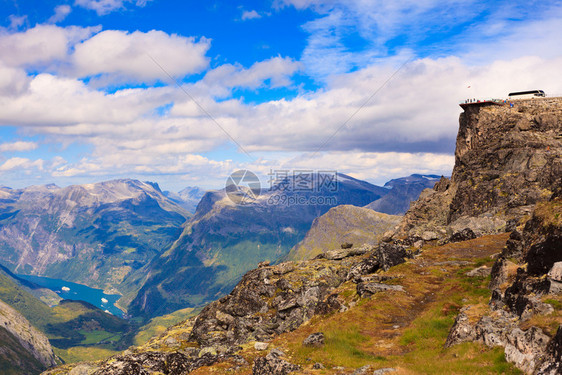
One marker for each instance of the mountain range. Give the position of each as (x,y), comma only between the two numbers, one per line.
(223,240)
(126,236)
(470,281)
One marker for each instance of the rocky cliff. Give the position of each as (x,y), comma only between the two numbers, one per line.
(31,352)
(507,158)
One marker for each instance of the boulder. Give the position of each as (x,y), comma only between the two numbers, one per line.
(383,371)
(260,345)
(483,271)
(555,272)
(273,364)
(367,289)
(315,339)
(362,370)
(462,235)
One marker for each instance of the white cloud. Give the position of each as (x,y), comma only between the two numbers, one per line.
(408,126)
(17,21)
(250,15)
(122,56)
(61,12)
(55,102)
(18,146)
(103,7)
(41,45)
(13,81)
(21,163)
(277,71)
(350,34)
(112,56)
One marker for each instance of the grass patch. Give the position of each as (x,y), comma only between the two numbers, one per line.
(84,353)
(555,303)
(158,325)
(343,347)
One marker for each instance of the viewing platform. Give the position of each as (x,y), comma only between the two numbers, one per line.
(482,102)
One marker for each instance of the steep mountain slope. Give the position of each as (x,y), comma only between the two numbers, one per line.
(95,234)
(71,325)
(506,159)
(223,240)
(45,295)
(343,224)
(23,349)
(402,192)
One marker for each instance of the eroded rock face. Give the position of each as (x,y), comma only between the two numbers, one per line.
(539,246)
(507,159)
(31,339)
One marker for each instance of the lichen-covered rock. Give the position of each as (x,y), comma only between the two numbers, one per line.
(386,255)
(362,370)
(479,272)
(516,296)
(539,245)
(526,349)
(149,363)
(367,289)
(500,273)
(552,361)
(462,235)
(272,300)
(555,272)
(314,339)
(273,364)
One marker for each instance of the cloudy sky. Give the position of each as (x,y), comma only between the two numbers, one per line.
(184,92)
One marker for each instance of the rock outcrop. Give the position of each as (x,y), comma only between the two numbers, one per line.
(506,160)
(273,364)
(519,293)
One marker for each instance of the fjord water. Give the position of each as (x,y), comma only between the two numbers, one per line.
(68,290)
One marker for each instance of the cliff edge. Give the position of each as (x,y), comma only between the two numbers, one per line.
(507,159)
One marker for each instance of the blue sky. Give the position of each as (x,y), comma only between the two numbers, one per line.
(185,92)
